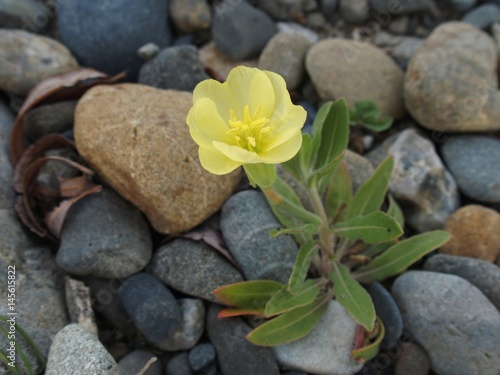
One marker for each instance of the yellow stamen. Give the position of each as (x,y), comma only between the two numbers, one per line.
(248,133)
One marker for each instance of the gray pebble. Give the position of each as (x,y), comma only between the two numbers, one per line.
(462,5)
(151,306)
(474,162)
(452,320)
(400,6)
(104,236)
(401,48)
(202,358)
(328,8)
(176,68)
(179,365)
(480,273)
(76,351)
(354,11)
(246,220)
(412,360)
(283,9)
(29,15)
(359,167)
(148,51)
(483,16)
(7,195)
(193,268)
(133,362)
(49,118)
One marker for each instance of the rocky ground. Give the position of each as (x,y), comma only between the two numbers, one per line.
(431,65)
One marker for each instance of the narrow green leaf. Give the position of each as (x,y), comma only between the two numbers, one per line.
(370,195)
(290,326)
(378,125)
(284,301)
(400,256)
(319,122)
(369,352)
(364,109)
(230,312)
(301,266)
(299,166)
(350,294)
(19,351)
(372,228)
(5,360)
(261,175)
(305,228)
(249,295)
(339,191)
(372,250)
(395,211)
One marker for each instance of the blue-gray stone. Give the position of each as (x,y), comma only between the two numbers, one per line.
(202,358)
(388,311)
(151,306)
(133,362)
(7,195)
(394,8)
(482,16)
(462,5)
(179,365)
(235,354)
(246,220)
(176,68)
(240,30)
(452,320)
(104,236)
(484,275)
(474,162)
(106,34)
(193,268)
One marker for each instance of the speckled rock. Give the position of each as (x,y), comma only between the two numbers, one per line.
(117,131)
(419,180)
(475,233)
(27,59)
(285,54)
(452,320)
(190,15)
(451,81)
(361,71)
(76,351)
(193,268)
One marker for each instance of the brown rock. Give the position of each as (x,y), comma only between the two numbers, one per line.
(356,71)
(137,139)
(190,15)
(412,360)
(27,59)
(475,233)
(451,83)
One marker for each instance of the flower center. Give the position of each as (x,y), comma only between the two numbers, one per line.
(248,132)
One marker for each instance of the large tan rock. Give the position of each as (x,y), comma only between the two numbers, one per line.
(137,139)
(341,68)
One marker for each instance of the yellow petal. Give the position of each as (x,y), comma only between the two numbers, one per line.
(252,87)
(237,153)
(205,124)
(218,93)
(284,151)
(285,127)
(216,162)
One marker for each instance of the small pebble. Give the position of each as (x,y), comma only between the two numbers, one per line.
(283,9)
(412,360)
(462,5)
(190,15)
(29,15)
(7,195)
(135,361)
(179,365)
(400,6)
(148,51)
(49,118)
(483,16)
(202,358)
(354,11)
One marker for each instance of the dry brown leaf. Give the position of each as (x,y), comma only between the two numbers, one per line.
(72,187)
(211,238)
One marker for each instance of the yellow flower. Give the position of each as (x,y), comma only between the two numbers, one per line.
(247,120)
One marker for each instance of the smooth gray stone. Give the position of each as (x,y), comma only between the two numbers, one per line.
(179,365)
(7,196)
(462,5)
(49,118)
(202,358)
(29,15)
(483,16)
(400,6)
(452,320)
(246,220)
(133,362)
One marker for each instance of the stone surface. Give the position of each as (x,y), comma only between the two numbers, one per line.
(151,306)
(137,139)
(190,15)
(412,360)
(202,357)
(359,167)
(354,11)
(388,311)
(29,15)
(451,81)
(193,268)
(401,48)
(111,31)
(462,5)
(473,161)
(246,220)
(235,354)
(400,6)
(176,68)
(290,27)
(133,362)
(452,320)
(75,351)
(27,59)
(475,233)
(283,9)
(361,71)
(240,30)
(7,196)
(218,63)
(327,348)
(179,365)
(483,16)
(285,54)
(191,327)
(105,236)
(484,275)
(419,181)
(49,118)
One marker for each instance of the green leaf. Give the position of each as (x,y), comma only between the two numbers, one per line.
(372,228)
(395,211)
(350,294)
(284,301)
(400,256)
(299,166)
(378,125)
(305,228)
(290,326)
(371,251)
(261,175)
(249,295)
(339,191)
(364,109)
(369,352)
(319,122)
(370,195)
(301,266)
